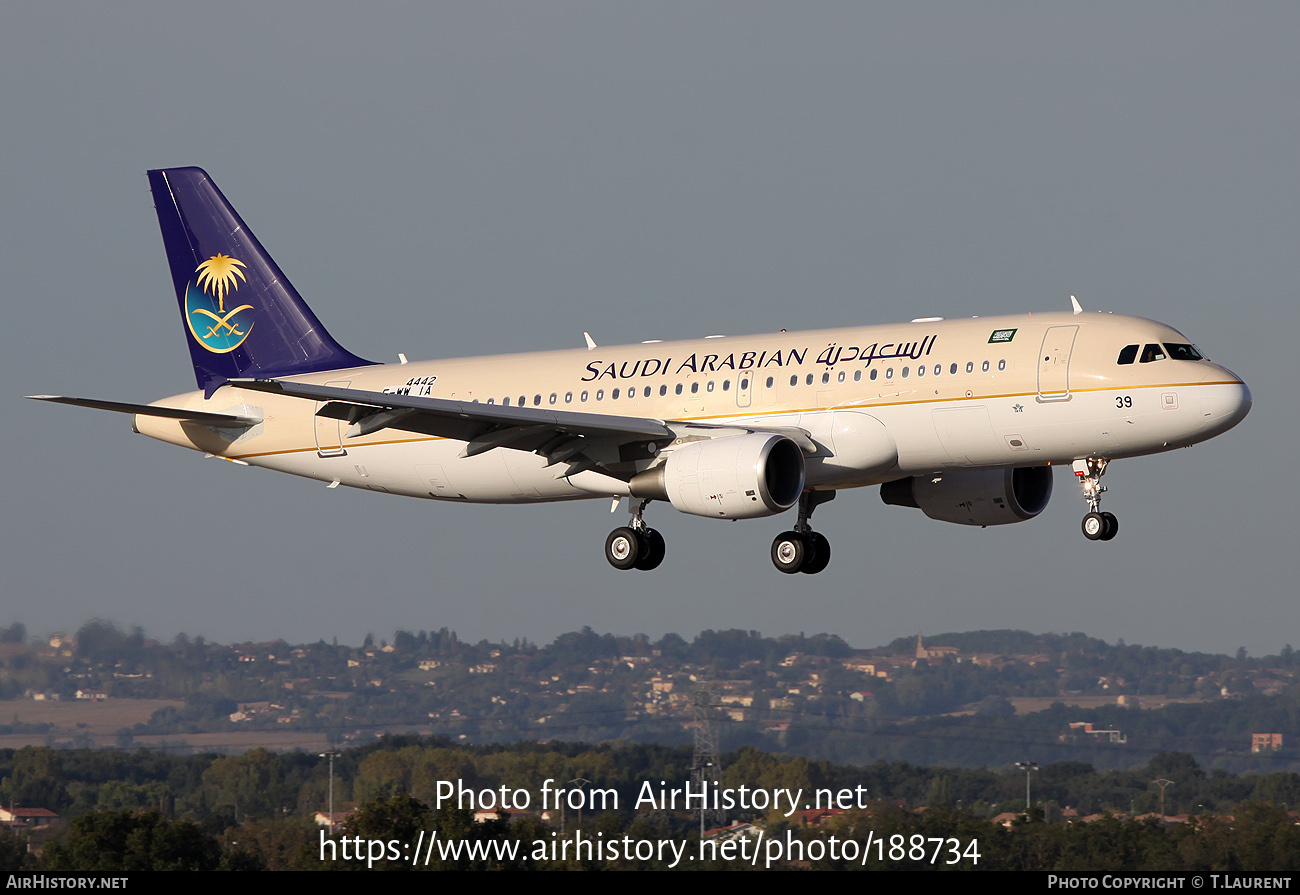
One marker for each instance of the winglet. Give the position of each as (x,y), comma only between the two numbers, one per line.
(1074,302)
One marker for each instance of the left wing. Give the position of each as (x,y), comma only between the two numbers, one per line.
(580,440)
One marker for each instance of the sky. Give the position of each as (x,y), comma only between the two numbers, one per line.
(450,179)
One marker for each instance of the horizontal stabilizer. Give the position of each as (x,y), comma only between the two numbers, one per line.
(174,413)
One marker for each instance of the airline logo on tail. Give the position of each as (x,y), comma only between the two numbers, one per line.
(216,329)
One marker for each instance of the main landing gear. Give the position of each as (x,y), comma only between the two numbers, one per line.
(1097,526)
(636,546)
(803,550)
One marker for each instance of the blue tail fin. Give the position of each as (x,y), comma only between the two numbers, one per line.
(243,318)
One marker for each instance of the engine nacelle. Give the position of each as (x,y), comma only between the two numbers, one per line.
(975,497)
(733,477)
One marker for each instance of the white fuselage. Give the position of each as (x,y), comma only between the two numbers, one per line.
(880,402)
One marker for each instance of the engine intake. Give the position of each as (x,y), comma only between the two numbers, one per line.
(734,477)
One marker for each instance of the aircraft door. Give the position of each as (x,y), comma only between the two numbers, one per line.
(744,385)
(329,432)
(1054,363)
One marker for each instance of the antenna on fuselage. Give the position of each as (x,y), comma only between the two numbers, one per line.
(1074,302)
(591,343)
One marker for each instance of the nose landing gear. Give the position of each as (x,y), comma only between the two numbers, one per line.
(1097,526)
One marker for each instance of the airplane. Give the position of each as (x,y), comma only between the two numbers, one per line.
(962,419)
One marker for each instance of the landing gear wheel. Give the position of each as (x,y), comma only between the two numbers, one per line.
(1094,527)
(789,552)
(1112,526)
(623,548)
(653,548)
(819,555)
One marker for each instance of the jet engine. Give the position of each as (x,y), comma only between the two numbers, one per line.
(975,497)
(733,477)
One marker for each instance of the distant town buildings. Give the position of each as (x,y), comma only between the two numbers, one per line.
(1265,742)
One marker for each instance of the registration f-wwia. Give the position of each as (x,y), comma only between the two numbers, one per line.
(963,419)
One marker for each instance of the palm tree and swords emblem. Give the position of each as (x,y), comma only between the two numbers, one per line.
(218,277)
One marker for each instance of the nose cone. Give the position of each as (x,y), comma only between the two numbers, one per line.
(1223,405)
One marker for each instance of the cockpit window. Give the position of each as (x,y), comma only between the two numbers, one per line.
(1152,352)
(1183,351)
(1127,354)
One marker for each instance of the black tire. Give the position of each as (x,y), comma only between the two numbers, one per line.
(1112,526)
(1094,526)
(819,554)
(789,552)
(623,548)
(653,549)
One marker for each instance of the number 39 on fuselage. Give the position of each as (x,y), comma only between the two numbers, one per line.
(963,419)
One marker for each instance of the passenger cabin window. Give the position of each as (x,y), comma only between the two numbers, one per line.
(1127,354)
(1151,353)
(1183,351)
